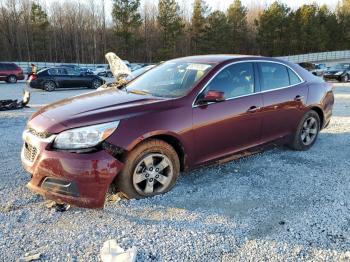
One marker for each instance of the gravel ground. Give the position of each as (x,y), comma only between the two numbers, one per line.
(278,205)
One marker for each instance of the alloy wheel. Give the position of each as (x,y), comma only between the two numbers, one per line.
(96,84)
(49,86)
(12,79)
(309,131)
(153,174)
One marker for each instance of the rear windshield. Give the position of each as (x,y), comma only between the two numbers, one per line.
(5,66)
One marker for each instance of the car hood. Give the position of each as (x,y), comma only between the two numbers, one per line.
(332,72)
(93,108)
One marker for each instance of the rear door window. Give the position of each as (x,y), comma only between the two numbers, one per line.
(72,72)
(273,76)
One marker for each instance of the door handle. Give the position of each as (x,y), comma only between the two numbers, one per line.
(299,98)
(253,109)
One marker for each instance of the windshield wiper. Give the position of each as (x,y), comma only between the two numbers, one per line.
(139,92)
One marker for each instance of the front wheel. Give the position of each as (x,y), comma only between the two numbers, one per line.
(345,79)
(152,168)
(307,132)
(109,74)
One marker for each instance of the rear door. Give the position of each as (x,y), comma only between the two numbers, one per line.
(76,79)
(284,94)
(60,76)
(230,126)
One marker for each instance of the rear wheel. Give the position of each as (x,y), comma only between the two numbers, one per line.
(152,168)
(307,132)
(96,83)
(49,86)
(12,79)
(345,79)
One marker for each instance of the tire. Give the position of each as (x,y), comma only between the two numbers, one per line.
(345,79)
(109,74)
(96,83)
(49,86)
(11,79)
(140,172)
(307,132)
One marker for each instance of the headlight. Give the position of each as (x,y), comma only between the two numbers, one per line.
(339,73)
(84,137)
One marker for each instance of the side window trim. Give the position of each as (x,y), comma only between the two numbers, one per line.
(257,84)
(257,73)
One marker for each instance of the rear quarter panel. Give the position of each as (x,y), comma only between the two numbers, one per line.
(321,96)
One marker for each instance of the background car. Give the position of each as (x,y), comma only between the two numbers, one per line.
(63,77)
(10,72)
(339,72)
(100,69)
(315,69)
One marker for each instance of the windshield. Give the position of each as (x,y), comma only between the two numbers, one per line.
(340,67)
(171,79)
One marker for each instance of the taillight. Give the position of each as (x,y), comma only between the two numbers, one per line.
(33,77)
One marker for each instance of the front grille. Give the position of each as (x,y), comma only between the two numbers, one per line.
(42,135)
(30,152)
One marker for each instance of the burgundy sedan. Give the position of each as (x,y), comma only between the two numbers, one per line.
(179,115)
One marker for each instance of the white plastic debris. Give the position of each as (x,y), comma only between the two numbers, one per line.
(117,66)
(112,252)
(29,258)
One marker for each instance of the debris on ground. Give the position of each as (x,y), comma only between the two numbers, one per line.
(10,104)
(112,252)
(57,206)
(28,258)
(113,198)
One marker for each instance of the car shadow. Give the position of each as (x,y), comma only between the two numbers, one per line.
(278,194)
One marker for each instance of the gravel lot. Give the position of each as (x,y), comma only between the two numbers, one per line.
(278,205)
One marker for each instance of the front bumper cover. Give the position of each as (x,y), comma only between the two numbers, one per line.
(77,179)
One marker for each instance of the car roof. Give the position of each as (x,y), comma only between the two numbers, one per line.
(217,59)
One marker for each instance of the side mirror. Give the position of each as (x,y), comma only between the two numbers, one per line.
(212,96)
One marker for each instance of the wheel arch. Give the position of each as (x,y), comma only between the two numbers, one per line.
(50,80)
(170,139)
(320,113)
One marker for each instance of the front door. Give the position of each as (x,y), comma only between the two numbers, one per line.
(232,125)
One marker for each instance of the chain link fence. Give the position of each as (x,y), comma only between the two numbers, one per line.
(318,57)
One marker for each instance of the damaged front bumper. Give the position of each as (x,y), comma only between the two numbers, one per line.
(77,179)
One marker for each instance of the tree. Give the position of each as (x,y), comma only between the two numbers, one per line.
(39,28)
(127,20)
(237,21)
(216,37)
(331,38)
(198,21)
(343,12)
(171,26)
(273,32)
